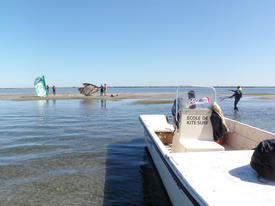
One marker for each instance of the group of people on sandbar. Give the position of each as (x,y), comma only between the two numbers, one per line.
(53,88)
(103,90)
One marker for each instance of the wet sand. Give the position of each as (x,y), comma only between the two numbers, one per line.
(266,97)
(109,96)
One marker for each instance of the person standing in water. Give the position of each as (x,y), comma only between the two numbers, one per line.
(101,90)
(53,88)
(104,89)
(238,95)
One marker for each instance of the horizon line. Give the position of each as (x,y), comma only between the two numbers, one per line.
(225,86)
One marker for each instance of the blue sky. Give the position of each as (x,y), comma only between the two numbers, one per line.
(137,42)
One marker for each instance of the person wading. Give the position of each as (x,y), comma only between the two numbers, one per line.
(238,95)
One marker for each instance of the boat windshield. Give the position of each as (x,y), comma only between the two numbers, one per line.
(195,97)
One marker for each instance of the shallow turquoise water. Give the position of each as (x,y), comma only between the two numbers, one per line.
(79,152)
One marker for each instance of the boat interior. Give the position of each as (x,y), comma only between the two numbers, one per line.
(239,136)
(193,131)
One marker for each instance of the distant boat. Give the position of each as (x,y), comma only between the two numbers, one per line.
(88,89)
(196,170)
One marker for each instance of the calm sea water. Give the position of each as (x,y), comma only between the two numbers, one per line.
(117,90)
(79,152)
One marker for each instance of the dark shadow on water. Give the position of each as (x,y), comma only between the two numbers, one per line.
(131,178)
(88,103)
(248,174)
(94,103)
(103,104)
(153,188)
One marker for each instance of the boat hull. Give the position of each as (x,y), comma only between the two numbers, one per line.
(178,192)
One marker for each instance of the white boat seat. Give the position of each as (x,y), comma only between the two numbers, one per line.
(195,133)
(195,145)
(158,123)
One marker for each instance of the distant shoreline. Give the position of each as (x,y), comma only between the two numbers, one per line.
(154,87)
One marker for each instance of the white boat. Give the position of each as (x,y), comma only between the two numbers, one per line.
(196,170)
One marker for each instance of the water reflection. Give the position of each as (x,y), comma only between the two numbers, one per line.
(88,103)
(42,106)
(103,103)
(236,116)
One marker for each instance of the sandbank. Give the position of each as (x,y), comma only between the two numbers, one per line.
(117,96)
(266,97)
(109,96)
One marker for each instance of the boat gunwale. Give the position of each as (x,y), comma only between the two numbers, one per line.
(247,125)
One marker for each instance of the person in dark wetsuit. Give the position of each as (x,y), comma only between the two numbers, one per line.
(176,117)
(191,97)
(237,94)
